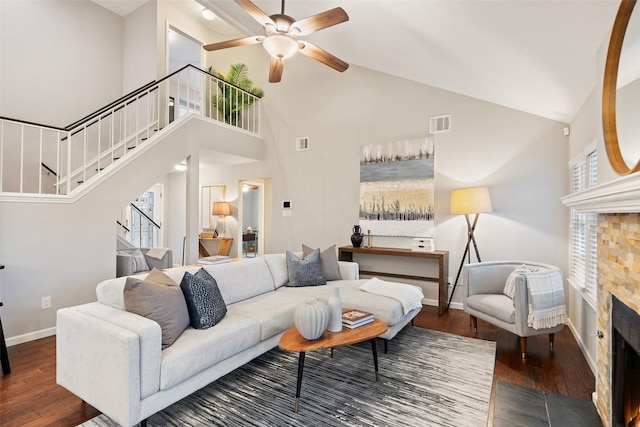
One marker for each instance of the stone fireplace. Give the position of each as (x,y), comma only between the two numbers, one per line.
(618,205)
(619,277)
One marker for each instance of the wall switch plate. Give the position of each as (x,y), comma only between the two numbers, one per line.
(46,303)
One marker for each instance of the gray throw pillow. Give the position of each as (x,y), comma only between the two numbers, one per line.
(204,300)
(139,261)
(158,298)
(328,260)
(306,271)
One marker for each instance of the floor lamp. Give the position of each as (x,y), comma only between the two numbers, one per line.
(467,201)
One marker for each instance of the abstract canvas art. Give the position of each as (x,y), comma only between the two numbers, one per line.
(397,188)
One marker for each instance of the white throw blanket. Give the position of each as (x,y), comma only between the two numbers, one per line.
(409,296)
(546,300)
(157,253)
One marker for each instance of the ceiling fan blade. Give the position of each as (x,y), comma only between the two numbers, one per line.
(245,41)
(255,12)
(323,56)
(320,21)
(275,70)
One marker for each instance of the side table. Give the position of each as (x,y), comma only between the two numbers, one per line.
(4,356)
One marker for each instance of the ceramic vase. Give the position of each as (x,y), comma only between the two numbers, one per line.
(356,237)
(335,311)
(311,319)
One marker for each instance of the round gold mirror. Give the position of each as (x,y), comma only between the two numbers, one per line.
(619,120)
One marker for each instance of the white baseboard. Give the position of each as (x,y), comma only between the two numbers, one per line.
(43,333)
(31,336)
(433,302)
(583,348)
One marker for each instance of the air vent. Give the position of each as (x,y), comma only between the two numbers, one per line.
(302,143)
(440,124)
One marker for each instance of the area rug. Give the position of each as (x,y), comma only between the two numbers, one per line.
(428,378)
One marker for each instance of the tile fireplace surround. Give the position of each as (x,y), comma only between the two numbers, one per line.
(618,206)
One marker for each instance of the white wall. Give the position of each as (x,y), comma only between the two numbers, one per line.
(139,47)
(522,158)
(60,60)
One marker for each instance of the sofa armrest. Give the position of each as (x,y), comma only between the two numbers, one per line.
(349,270)
(124,265)
(108,357)
(165,262)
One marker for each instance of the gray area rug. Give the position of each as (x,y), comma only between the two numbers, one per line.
(428,378)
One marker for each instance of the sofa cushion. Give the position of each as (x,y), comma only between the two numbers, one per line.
(386,309)
(496,305)
(204,301)
(273,311)
(277,264)
(241,280)
(158,298)
(328,261)
(305,271)
(199,349)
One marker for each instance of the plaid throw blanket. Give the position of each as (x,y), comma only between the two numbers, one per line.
(546,300)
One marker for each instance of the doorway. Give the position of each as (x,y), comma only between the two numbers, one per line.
(251,218)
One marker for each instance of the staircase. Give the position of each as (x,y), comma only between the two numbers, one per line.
(40,160)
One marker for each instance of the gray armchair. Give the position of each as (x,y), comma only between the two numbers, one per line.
(483,298)
(126,266)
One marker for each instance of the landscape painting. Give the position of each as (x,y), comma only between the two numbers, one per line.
(397,188)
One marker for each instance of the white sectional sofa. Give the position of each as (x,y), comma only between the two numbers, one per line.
(113,360)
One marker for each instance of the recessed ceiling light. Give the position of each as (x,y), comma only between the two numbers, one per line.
(208,15)
(180,167)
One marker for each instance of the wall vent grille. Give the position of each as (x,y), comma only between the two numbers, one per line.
(302,143)
(440,124)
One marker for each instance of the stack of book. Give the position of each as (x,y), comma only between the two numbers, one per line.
(215,259)
(354,318)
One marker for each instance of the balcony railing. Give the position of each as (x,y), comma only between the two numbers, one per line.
(41,159)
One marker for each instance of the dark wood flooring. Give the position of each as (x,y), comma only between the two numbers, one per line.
(29,396)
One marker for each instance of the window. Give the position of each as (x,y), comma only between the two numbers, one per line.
(584,228)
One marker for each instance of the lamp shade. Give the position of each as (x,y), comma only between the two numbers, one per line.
(470,201)
(280,46)
(221,208)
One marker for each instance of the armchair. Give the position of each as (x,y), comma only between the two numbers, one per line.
(483,297)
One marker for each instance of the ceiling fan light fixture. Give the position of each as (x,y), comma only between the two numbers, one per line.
(280,46)
(208,15)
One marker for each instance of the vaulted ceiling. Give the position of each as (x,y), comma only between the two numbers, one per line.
(537,56)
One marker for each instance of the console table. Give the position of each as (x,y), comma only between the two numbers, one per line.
(224,246)
(4,357)
(345,253)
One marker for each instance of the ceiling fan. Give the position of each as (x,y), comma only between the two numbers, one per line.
(281,33)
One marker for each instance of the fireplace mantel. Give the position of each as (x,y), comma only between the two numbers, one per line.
(622,195)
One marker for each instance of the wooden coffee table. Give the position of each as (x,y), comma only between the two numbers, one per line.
(293,341)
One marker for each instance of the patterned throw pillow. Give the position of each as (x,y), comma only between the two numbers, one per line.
(204,300)
(139,261)
(510,285)
(158,298)
(306,271)
(328,260)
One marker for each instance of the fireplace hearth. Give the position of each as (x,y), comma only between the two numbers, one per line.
(626,365)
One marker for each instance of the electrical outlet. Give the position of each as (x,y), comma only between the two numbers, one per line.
(46,302)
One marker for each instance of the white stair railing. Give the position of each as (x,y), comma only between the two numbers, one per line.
(40,159)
